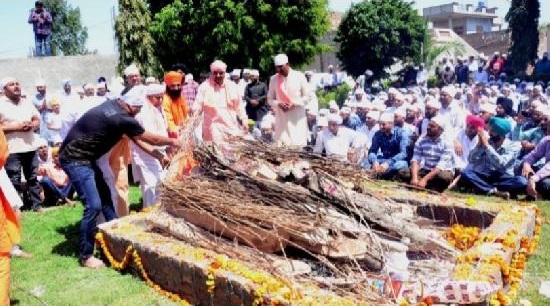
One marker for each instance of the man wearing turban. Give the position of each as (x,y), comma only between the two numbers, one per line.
(492,162)
(505,109)
(174,105)
(288,95)
(220,103)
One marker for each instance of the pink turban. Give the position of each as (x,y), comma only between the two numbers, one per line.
(476,121)
(218,65)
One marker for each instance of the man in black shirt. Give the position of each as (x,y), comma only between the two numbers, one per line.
(93,135)
(255,95)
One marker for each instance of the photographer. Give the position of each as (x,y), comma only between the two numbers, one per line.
(42,26)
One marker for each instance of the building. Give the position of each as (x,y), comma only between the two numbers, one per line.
(463,18)
(323,59)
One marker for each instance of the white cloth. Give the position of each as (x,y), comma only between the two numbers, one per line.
(455,119)
(467,146)
(369,133)
(337,146)
(9,191)
(71,114)
(54,122)
(290,126)
(147,169)
(19,141)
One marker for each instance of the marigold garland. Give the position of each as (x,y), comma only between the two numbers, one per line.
(462,237)
(132,253)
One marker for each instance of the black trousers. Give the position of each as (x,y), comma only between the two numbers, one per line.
(28,161)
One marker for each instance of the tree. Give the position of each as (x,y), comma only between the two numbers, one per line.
(135,43)
(68,34)
(432,51)
(241,33)
(523,20)
(376,34)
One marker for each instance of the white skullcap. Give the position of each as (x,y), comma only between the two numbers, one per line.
(266,124)
(333,105)
(40,82)
(440,120)
(269,118)
(236,72)
(392,90)
(66,81)
(401,111)
(322,122)
(330,66)
(218,65)
(399,96)
(7,80)
(308,72)
(450,90)
(368,72)
(280,59)
(538,87)
(334,118)
(246,71)
(41,142)
(154,89)
(150,79)
(135,96)
(345,110)
(130,70)
(432,102)
(188,77)
(374,115)
(323,112)
(359,91)
(386,117)
(488,107)
(88,86)
(497,53)
(100,85)
(311,111)
(413,107)
(255,72)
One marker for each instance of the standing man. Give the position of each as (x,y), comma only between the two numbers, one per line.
(41,104)
(93,135)
(175,108)
(41,21)
(288,95)
(19,119)
(255,96)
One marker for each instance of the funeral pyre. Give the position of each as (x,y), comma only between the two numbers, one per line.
(304,221)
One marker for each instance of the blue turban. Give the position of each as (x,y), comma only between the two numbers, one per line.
(500,126)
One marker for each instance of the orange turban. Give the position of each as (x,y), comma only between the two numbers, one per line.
(173,77)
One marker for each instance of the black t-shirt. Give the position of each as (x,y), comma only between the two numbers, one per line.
(97,131)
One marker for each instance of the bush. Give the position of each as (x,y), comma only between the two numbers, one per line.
(339,94)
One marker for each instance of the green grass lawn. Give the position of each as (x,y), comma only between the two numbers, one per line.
(54,277)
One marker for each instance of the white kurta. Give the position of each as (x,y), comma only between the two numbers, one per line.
(147,169)
(290,126)
(467,146)
(337,146)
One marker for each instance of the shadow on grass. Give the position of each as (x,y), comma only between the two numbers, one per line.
(69,246)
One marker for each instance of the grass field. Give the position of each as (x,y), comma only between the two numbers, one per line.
(54,277)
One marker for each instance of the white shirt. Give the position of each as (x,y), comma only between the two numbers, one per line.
(369,134)
(55,121)
(10,112)
(467,146)
(337,146)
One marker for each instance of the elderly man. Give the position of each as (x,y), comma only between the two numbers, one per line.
(288,94)
(432,162)
(174,106)
(93,135)
(219,101)
(19,119)
(492,162)
(338,142)
(392,142)
(255,96)
(147,170)
(451,110)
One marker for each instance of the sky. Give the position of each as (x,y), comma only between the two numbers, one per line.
(96,16)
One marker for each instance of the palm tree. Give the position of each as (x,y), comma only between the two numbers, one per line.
(432,51)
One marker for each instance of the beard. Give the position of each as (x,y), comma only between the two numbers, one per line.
(173,93)
(495,138)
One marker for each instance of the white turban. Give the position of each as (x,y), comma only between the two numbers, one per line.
(266,124)
(334,118)
(280,59)
(150,79)
(236,72)
(374,115)
(40,82)
(386,117)
(440,120)
(130,70)
(218,65)
(66,82)
(401,111)
(88,86)
(154,89)
(135,96)
(189,77)
(450,90)
(7,80)
(255,72)
(345,110)
(488,107)
(432,102)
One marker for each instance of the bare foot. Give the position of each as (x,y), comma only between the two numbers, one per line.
(17,252)
(93,263)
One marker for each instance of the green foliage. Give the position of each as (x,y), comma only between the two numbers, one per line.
(339,94)
(241,33)
(377,34)
(432,51)
(523,20)
(68,34)
(135,43)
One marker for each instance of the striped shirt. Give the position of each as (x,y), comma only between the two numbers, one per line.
(433,153)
